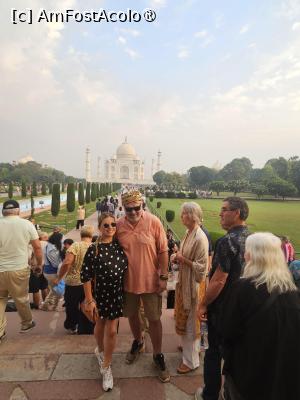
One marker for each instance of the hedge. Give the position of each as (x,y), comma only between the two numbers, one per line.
(159,194)
(55,203)
(71,197)
(170,215)
(80,194)
(170,195)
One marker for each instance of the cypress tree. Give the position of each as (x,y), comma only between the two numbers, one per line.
(55,203)
(31,204)
(71,197)
(88,193)
(33,189)
(80,194)
(63,187)
(23,189)
(10,190)
(94,192)
(44,189)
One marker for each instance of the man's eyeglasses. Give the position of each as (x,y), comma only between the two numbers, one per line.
(130,209)
(113,225)
(223,209)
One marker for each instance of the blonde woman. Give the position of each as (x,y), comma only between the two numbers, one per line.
(192,258)
(104,265)
(261,326)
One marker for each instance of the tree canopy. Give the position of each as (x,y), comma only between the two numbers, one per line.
(237,169)
(32,172)
(200,176)
(279,177)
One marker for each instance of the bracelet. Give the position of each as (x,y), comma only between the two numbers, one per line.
(89,302)
(163,277)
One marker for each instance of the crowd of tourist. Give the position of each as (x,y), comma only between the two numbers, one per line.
(246,291)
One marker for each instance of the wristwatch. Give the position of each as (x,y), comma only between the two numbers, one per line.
(164,277)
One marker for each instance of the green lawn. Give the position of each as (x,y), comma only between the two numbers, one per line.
(65,220)
(278,217)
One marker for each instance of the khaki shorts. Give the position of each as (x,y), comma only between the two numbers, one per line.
(151,301)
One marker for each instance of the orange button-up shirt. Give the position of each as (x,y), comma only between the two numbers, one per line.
(142,244)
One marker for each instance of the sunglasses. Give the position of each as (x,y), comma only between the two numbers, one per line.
(113,225)
(130,209)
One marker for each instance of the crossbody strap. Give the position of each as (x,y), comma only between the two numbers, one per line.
(49,262)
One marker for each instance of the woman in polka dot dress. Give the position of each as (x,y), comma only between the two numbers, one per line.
(105,264)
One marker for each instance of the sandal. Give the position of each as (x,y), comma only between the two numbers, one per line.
(184,369)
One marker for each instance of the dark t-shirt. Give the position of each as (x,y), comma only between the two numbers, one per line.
(229,255)
(209,240)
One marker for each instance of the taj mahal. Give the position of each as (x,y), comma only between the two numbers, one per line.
(125,166)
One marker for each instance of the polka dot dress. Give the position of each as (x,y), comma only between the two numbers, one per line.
(107,265)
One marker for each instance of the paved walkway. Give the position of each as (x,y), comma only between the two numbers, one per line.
(48,364)
(91,220)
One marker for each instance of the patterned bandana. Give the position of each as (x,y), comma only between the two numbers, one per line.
(131,197)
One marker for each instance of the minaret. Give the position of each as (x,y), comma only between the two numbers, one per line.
(158,161)
(152,167)
(98,169)
(88,165)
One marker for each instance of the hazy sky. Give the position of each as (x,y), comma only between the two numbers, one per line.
(207,81)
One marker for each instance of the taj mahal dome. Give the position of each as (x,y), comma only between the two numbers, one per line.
(125,166)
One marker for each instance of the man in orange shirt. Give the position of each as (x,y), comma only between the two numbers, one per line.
(144,241)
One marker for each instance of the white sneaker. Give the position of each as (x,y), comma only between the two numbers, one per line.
(107,379)
(100,357)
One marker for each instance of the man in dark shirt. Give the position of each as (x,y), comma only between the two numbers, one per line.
(227,267)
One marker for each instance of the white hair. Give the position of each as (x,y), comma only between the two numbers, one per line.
(194,210)
(10,211)
(266,264)
(43,235)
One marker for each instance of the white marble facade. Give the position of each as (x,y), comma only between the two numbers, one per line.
(125,166)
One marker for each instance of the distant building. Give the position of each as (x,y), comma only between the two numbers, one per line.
(25,159)
(123,167)
(217,166)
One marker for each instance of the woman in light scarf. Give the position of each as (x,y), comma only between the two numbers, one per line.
(193,260)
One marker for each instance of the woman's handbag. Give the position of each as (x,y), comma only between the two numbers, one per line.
(82,305)
(93,318)
(59,289)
